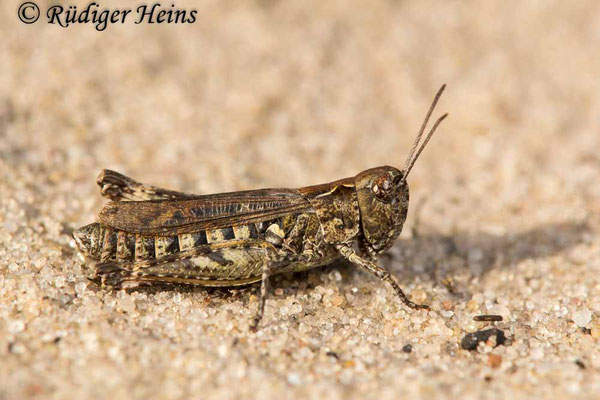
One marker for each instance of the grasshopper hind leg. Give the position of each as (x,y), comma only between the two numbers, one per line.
(119,187)
(111,275)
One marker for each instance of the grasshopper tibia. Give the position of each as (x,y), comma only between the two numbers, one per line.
(348,253)
(264,289)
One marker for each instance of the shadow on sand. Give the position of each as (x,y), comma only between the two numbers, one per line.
(480,253)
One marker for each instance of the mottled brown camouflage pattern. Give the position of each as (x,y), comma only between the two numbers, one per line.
(186,236)
(152,236)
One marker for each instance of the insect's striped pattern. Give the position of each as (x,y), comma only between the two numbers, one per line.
(112,244)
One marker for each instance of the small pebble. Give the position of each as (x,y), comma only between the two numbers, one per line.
(595,331)
(537,353)
(499,309)
(80,288)
(337,300)
(582,317)
(472,305)
(418,296)
(127,304)
(335,276)
(472,340)
(59,281)
(16,326)
(295,309)
(10,226)
(294,379)
(494,360)
(407,348)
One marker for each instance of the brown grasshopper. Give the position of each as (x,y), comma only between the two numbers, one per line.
(152,236)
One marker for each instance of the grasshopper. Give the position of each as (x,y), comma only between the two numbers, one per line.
(152,236)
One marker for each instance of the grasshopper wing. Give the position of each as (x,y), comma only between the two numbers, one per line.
(189,215)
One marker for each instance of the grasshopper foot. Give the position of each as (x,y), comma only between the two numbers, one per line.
(255,322)
(414,305)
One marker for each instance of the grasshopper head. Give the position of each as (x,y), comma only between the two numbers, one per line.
(383,202)
(383,193)
(88,240)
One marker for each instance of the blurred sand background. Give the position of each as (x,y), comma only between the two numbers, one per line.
(274,93)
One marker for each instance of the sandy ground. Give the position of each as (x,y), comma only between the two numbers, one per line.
(273,93)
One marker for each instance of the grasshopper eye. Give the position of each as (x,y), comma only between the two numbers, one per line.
(382,188)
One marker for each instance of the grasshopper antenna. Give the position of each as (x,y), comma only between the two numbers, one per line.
(412,157)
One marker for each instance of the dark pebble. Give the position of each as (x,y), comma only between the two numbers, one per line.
(471,340)
(587,331)
(407,348)
(488,318)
